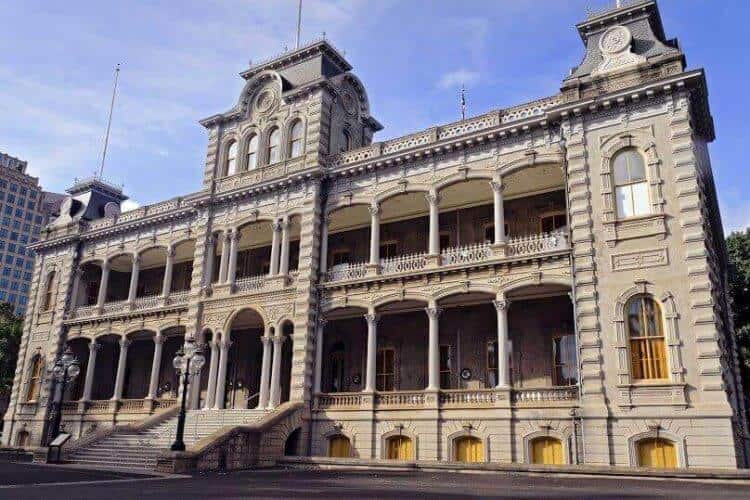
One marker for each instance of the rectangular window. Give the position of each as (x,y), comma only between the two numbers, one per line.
(388,249)
(492,363)
(564,360)
(446,366)
(552,222)
(385,372)
(445,240)
(632,199)
(489,232)
(340,257)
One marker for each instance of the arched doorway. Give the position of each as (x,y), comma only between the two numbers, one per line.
(546,451)
(339,446)
(468,449)
(244,362)
(291,446)
(399,448)
(657,453)
(287,329)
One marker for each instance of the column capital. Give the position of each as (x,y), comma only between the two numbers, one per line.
(278,339)
(225,344)
(322,321)
(136,259)
(234,234)
(374,209)
(285,222)
(159,339)
(124,342)
(94,346)
(78,272)
(210,240)
(502,304)
(372,318)
(170,251)
(433,312)
(276,225)
(432,197)
(497,185)
(106,264)
(266,339)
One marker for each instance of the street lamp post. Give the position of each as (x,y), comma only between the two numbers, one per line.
(188,363)
(66,369)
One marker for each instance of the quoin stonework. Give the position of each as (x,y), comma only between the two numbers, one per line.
(539,284)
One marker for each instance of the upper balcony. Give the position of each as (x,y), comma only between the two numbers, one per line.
(149,280)
(448,228)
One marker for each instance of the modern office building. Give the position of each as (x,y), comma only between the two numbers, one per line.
(544,283)
(22,216)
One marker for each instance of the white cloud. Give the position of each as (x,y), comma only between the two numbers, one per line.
(129,205)
(458,78)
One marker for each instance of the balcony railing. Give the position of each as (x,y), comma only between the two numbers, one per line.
(148,302)
(347,272)
(250,283)
(404,263)
(451,398)
(536,244)
(115,307)
(466,254)
(84,311)
(178,298)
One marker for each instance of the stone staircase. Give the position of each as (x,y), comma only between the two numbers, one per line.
(140,449)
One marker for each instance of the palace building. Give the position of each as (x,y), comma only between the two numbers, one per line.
(544,283)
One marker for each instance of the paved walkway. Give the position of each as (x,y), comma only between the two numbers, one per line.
(280,483)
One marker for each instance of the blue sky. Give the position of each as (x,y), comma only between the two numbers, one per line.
(181,62)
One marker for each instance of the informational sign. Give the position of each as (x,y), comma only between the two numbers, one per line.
(60,439)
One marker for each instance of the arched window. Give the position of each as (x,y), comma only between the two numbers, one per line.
(657,453)
(231,164)
(468,449)
(346,140)
(339,447)
(23,439)
(647,354)
(399,448)
(546,451)
(252,152)
(35,379)
(274,146)
(296,145)
(49,289)
(336,364)
(631,188)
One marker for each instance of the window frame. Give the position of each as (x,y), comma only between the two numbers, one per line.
(34,381)
(552,214)
(296,141)
(229,159)
(271,148)
(555,380)
(383,373)
(446,371)
(653,363)
(254,136)
(49,289)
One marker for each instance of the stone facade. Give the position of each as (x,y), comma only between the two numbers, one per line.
(368,280)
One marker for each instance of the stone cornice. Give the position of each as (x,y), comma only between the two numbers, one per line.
(294,56)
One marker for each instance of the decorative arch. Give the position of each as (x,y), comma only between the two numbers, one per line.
(655,432)
(463,288)
(346,202)
(356,84)
(670,319)
(226,142)
(546,432)
(253,85)
(402,188)
(265,141)
(227,327)
(400,297)
(466,175)
(286,135)
(530,158)
(342,303)
(535,279)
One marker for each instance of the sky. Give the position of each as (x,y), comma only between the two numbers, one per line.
(181,62)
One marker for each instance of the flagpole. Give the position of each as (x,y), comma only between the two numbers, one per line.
(109,121)
(299,22)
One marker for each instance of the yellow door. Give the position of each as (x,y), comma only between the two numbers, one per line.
(399,448)
(546,451)
(657,453)
(340,447)
(469,449)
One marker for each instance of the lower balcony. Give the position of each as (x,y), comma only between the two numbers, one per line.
(147,303)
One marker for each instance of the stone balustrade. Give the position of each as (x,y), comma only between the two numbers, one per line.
(347,272)
(340,400)
(403,263)
(460,397)
(545,395)
(178,298)
(536,244)
(84,311)
(466,254)
(115,307)
(148,302)
(250,283)
(399,398)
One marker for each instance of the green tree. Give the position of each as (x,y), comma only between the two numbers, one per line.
(11,327)
(738,246)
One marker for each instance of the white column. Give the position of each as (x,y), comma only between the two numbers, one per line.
(274,266)
(224,264)
(434,239)
(265,371)
(134,277)
(372,350)
(319,355)
(498,211)
(503,378)
(433,353)
(284,264)
(221,377)
(76,286)
(209,256)
(234,238)
(90,370)
(167,285)
(103,284)
(275,393)
(323,246)
(374,234)
(121,365)
(213,368)
(153,384)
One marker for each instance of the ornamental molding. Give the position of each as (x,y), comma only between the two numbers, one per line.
(640,259)
(615,45)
